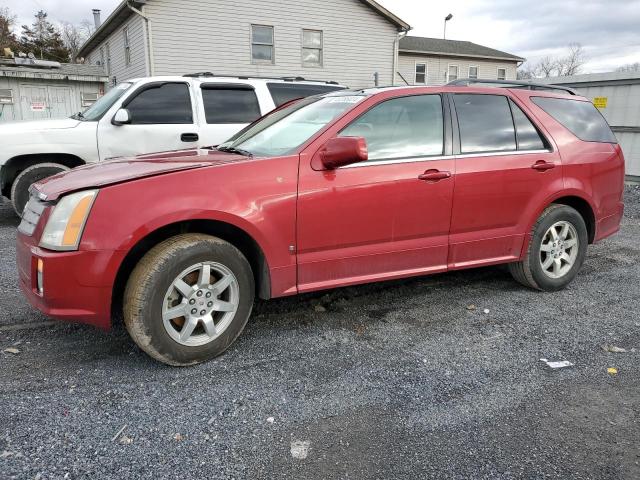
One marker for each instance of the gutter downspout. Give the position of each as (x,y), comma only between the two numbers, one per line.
(147,23)
(396,53)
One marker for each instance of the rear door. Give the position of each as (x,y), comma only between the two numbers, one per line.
(506,168)
(162,119)
(387,217)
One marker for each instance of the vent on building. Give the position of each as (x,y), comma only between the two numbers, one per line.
(6,96)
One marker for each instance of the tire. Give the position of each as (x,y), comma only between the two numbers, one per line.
(531,272)
(30,175)
(151,295)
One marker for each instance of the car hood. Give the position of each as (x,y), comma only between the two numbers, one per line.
(38,125)
(126,169)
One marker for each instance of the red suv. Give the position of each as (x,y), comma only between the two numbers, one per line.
(333,190)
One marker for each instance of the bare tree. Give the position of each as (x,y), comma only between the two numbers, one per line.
(8,39)
(546,67)
(630,68)
(87,28)
(73,37)
(573,62)
(525,72)
(554,66)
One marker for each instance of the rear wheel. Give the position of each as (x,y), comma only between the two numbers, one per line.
(188,299)
(556,252)
(30,175)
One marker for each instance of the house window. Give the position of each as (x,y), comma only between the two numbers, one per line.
(421,73)
(502,74)
(108,64)
(453,73)
(312,48)
(473,72)
(6,96)
(88,99)
(262,44)
(127,47)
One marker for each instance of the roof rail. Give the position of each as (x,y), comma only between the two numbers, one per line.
(465,82)
(249,77)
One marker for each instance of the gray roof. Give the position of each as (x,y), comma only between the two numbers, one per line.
(457,48)
(586,79)
(67,71)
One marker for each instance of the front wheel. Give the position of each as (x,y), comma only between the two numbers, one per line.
(188,299)
(556,251)
(30,175)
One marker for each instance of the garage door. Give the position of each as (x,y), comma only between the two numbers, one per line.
(38,102)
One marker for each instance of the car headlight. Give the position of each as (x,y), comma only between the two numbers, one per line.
(66,223)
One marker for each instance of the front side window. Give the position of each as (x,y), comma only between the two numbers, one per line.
(312,48)
(127,47)
(579,117)
(223,104)
(283,92)
(403,127)
(286,130)
(165,103)
(473,72)
(262,43)
(485,123)
(527,134)
(453,72)
(502,74)
(421,73)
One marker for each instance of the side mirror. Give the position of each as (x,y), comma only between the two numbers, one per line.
(122,117)
(341,151)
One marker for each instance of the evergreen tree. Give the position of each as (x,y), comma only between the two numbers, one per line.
(7,37)
(44,40)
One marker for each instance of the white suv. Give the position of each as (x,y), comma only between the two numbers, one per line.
(141,116)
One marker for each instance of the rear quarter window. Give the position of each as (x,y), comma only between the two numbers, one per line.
(285,92)
(579,117)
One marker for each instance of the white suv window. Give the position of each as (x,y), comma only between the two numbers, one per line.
(230,104)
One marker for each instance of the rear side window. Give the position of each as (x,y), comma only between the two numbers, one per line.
(401,128)
(527,134)
(167,103)
(285,92)
(579,117)
(224,104)
(485,123)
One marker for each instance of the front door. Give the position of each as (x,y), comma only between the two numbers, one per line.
(162,119)
(387,217)
(505,170)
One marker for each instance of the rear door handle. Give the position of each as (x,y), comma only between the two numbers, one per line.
(543,166)
(434,176)
(189,137)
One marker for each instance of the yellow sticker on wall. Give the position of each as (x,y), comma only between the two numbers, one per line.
(600,102)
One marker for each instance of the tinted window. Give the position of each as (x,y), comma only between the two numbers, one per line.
(401,128)
(230,105)
(580,117)
(168,103)
(285,92)
(485,123)
(527,134)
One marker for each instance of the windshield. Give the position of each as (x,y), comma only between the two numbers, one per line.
(284,131)
(104,103)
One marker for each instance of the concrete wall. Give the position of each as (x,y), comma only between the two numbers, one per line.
(437,67)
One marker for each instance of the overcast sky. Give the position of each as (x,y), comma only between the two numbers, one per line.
(609,30)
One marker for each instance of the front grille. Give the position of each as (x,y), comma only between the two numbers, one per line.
(31,215)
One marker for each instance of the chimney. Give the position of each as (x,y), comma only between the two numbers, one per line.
(96,18)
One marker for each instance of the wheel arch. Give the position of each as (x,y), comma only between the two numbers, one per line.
(577,201)
(12,167)
(233,234)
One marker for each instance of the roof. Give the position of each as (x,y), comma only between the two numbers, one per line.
(455,48)
(67,71)
(123,12)
(593,79)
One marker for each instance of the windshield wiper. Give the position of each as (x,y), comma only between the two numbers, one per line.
(78,116)
(239,151)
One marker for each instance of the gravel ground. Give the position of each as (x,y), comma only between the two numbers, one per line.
(393,380)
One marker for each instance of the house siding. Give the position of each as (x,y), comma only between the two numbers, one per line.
(137,42)
(437,67)
(216,37)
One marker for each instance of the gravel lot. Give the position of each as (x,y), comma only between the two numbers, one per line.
(394,380)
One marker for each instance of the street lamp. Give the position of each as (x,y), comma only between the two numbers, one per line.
(446,19)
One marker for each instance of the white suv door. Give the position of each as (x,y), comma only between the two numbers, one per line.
(161,119)
(228,108)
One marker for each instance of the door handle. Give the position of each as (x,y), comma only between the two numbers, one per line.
(189,137)
(543,166)
(434,176)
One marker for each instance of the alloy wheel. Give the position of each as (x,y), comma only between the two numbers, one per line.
(559,249)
